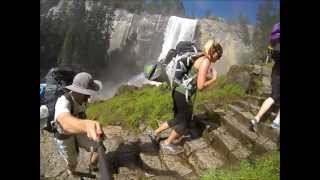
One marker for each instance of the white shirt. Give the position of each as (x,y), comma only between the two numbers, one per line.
(64,105)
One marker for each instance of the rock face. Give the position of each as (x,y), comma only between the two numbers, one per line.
(137,39)
(228,35)
(254,79)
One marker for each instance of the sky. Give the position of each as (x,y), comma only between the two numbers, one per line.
(227,9)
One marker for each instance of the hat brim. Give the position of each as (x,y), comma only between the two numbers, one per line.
(97,87)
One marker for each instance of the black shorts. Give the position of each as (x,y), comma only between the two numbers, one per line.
(275,83)
(182,111)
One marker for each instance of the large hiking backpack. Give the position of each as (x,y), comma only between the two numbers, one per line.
(56,80)
(175,66)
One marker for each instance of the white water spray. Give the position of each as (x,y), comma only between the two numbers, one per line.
(178,29)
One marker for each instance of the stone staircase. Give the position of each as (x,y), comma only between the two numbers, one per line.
(219,138)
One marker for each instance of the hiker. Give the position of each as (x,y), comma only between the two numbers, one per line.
(74,130)
(275,82)
(205,75)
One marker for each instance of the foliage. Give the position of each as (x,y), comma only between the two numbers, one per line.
(265,168)
(267,16)
(243,22)
(150,105)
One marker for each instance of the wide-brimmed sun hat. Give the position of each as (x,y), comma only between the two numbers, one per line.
(84,84)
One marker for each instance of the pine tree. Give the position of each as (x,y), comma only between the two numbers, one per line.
(244,31)
(208,13)
(266,18)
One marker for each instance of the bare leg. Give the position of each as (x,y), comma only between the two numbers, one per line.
(161,128)
(264,108)
(173,135)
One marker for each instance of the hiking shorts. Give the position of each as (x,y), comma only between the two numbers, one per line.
(182,111)
(68,148)
(275,84)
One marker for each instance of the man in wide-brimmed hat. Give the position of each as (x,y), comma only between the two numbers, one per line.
(73,129)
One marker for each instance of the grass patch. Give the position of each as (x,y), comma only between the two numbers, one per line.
(220,91)
(147,105)
(150,105)
(265,168)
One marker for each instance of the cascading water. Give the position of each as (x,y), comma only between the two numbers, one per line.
(178,29)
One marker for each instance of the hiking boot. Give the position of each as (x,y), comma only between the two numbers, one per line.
(171,149)
(253,125)
(275,125)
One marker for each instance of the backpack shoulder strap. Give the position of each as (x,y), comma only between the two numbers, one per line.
(69,98)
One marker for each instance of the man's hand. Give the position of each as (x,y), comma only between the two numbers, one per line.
(93,130)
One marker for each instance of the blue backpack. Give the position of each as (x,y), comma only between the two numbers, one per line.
(56,80)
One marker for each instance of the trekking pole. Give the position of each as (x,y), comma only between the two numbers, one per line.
(104,167)
(267,59)
(269,49)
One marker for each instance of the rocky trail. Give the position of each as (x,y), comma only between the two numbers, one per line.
(218,137)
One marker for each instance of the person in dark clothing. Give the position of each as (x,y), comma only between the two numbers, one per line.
(182,108)
(275,82)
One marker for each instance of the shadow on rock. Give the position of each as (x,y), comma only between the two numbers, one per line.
(128,155)
(199,126)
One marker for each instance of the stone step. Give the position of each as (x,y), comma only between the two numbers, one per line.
(251,108)
(154,165)
(229,146)
(207,158)
(243,116)
(256,143)
(247,106)
(264,129)
(255,100)
(267,131)
(176,164)
(194,145)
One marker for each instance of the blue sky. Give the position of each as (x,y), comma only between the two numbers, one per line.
(227,9)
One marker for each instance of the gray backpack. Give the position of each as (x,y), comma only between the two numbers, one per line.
(174,68)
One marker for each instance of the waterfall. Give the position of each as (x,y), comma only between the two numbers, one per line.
(178,29)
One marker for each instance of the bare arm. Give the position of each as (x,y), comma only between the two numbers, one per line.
(202,75)
(74,125)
